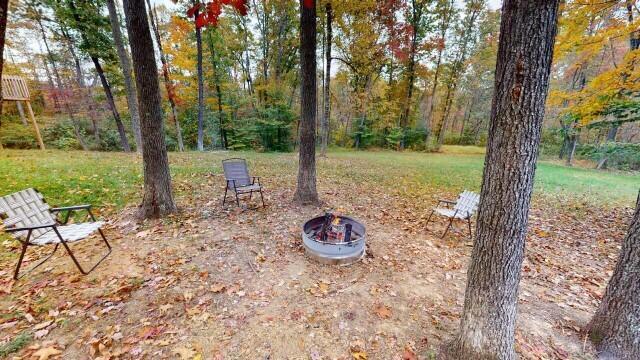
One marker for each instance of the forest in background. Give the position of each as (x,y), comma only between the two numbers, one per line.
(397,74)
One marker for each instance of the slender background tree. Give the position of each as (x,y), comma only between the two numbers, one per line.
(125,65)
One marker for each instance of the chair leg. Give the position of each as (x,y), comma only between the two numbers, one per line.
(429,219)
(237,199)
(447,229)
(24,250)
(262,197)
(225,195)
(469,223)
(16,275)
(104,238)
(250,194)
(75,261)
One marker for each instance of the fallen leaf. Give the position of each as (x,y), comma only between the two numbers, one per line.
(45,353)
(408,354)
(217,287)
(42,325)
(359,355)
(40,333)
(383,311)
(185,353)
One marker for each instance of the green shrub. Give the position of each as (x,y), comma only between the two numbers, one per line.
(551,141)
(622,156)
(15,344)
(61,136)
(17,136)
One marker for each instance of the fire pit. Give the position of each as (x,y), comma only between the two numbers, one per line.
(334,239)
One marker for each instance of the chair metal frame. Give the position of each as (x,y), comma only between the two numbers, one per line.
(448,204)
(238,190)
(29,229)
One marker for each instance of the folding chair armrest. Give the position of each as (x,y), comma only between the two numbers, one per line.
(447,202)
(27,228)
(71,208)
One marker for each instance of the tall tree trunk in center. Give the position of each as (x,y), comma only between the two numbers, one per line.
(487,326)
(306,190)
(615,328)
(326,116)
(200,86)
(125,64)
(158,198)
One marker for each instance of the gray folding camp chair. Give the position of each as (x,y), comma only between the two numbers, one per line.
(29,219)
(463,209)
(238,180)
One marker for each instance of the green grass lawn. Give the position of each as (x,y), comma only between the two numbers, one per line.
(112,180)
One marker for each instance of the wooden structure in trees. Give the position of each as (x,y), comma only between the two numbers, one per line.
(14,88)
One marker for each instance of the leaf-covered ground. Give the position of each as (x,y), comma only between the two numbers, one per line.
(228,283)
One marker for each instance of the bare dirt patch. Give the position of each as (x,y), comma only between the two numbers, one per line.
(215,283)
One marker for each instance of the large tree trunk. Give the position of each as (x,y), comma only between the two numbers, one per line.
(487,326)
(200,87)
(125,64)
(306,190)
(326,116)
(168,84)
(158,198)
(615,328)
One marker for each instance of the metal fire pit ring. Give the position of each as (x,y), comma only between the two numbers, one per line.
(330,252)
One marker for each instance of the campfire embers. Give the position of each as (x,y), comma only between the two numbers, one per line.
(334,239)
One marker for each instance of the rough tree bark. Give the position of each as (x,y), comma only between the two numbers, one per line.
(125,65)
(158,198)
(200,86)
(487,326)
(306,192)
(327,83)
(615,328)
(168,84)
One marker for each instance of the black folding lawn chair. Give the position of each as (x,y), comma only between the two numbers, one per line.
(29,219)
(238,180)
